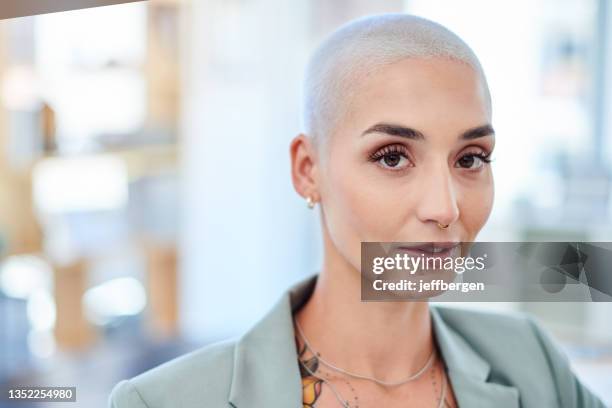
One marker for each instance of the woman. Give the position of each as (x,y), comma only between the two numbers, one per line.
(397,145)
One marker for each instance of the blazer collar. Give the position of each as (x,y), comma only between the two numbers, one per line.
(266,372)
(468,371)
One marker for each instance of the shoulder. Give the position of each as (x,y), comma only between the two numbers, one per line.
(201,376)
(521,352)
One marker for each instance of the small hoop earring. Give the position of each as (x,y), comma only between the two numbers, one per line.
(441,226)
(309,202)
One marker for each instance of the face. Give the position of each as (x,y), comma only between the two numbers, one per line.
(412,153)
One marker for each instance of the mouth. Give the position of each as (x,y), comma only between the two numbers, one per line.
(432,249)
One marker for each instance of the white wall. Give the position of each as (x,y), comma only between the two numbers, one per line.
(246,234)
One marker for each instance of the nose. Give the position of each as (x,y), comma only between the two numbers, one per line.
(438,200)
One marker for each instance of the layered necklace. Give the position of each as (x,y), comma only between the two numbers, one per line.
(337,395)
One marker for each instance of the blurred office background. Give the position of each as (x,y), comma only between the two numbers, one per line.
(146,207)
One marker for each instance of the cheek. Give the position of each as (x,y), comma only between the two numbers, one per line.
(475,207)
(356,208)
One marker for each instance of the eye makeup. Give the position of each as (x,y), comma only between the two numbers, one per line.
(474,158)
(396,156)
(392,157)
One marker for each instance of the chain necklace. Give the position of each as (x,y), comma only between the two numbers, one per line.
(345,404)
(365,377)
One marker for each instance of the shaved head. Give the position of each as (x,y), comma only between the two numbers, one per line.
(362,46)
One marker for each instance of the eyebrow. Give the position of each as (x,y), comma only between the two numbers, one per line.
(477,132)
(410,133)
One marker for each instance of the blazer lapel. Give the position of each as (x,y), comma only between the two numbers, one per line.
(474,393)
(266,372)
(468,371)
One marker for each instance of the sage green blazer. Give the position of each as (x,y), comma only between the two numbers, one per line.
(493,360)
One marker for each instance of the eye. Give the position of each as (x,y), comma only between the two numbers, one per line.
(474,160)
(392,157)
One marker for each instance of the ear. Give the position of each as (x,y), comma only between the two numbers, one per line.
(304,166)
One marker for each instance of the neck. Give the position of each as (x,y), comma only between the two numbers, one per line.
(385,340)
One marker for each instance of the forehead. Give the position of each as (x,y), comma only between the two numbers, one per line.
(425,92)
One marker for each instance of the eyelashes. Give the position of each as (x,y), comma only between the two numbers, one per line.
(392,157)
(474,161)
(482,155)
(389,150)
(396,157)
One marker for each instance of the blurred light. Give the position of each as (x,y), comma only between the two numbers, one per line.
(22,275)
(119,93)
(83,36)
(80,184)
(93,76)
(41,310)
(41,343)
(114,298)
(547,192)
(20,88)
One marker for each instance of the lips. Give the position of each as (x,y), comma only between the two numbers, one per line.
(430,249)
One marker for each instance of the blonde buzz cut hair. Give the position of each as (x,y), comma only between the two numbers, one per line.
(364,45)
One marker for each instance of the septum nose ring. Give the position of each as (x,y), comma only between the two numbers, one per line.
(442,226)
